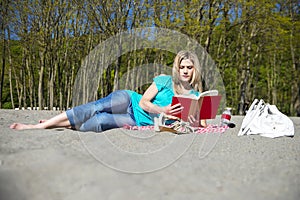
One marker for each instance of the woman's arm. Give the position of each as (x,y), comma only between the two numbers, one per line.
(148,106)
(145,102)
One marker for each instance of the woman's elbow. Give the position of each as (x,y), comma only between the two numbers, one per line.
(142,104)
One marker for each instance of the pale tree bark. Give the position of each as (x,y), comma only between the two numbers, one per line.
(10,73)
(60,13)
(41,79)
(246,41)
(52,60)
(245,73)
(117,65)
(29,77)
(46,24)
(253,25)
(274,79)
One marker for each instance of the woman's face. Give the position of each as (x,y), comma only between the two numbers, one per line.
(186,69)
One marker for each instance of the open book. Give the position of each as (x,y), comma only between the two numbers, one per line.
(205,106)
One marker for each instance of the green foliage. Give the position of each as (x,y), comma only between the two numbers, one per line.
(7,105)
(255,45)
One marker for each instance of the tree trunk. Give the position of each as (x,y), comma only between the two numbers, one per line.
(295,87)
(41,78)
(117,66)
(30,77)
(245,76)
(24,88)
(10,72)
(3,28)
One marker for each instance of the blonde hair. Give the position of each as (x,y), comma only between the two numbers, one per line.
(196,81)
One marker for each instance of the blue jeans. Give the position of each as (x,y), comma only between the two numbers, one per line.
(113,111)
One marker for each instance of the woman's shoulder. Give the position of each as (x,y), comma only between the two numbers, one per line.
(162,81)
(162,77)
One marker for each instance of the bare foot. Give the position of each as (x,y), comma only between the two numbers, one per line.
(203,123)
(19,126)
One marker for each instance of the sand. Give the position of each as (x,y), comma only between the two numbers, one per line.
(123,164)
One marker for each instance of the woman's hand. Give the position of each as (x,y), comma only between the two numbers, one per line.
(148,106)
(195,123)
(173,110)
(192,120)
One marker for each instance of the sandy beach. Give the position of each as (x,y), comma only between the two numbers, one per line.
(128,164)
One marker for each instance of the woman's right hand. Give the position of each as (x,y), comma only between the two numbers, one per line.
(173,110)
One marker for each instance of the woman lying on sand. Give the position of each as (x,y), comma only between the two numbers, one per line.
(125,107)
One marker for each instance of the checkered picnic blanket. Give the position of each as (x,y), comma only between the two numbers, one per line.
(209,129)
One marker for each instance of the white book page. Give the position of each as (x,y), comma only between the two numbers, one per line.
(206,93)
(209,93)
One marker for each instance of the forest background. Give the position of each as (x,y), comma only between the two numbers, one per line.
(254,43)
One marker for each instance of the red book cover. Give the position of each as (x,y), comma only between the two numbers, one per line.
(204,107)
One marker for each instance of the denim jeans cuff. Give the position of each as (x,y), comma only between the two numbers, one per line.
(70,115)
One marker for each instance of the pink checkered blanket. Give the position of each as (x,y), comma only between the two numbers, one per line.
(209,129)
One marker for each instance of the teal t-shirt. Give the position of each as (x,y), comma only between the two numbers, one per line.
(163,98)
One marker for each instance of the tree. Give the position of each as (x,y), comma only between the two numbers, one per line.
(44,43)
(4,18)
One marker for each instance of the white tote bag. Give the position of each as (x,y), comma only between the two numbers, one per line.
(266,120)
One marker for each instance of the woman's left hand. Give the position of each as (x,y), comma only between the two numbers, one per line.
(196,123)
(193,121)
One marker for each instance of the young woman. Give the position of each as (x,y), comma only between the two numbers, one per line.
(125,107)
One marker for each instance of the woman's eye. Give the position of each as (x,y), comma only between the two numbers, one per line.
(189,67)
